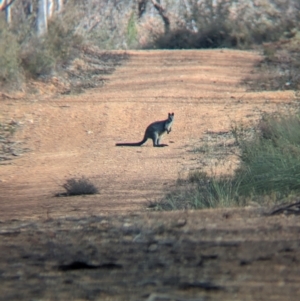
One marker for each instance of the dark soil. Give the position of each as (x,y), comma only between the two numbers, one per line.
(207,255)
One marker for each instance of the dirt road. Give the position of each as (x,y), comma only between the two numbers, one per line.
(74,136)
(106,246)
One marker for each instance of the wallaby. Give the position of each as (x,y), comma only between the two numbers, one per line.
(155,132)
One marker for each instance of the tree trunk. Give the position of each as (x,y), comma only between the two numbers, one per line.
(50,8)
(6,5)
(142,4)
(7,12)
(42,18)
(59,5)
(28,8)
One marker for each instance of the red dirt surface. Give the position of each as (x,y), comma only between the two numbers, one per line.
(74,136)
(223,254)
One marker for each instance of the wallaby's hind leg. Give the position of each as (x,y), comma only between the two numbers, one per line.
(156,141)
(154,138)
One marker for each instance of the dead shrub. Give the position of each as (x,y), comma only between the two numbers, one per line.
(81,186)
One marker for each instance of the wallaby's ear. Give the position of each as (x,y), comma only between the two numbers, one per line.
(172,114)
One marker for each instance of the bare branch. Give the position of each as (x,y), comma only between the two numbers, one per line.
(163,15)
(142,4)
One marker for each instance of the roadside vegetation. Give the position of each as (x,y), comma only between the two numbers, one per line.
(279,68)
(75,27)
(9,148)
(65,56)
(269,170)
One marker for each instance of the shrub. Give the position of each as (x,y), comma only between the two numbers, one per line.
(270,162)
(200,191)
(9,56)
(80,186)
(62,40)
(44,55)
(210,37)
(37,59)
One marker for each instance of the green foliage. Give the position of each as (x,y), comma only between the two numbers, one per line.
(270,162)
(9,55)
(37,59)
(200,191)
(132,30)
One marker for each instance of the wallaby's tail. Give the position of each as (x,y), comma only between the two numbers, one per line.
(129,144)
(132,144)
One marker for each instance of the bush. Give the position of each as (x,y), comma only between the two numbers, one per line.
(270,162)
(269,170)
(81,186)
(62,40)
(37,60)
(23,53)
(9,56)
(211,37)
(44,55)
(200,191)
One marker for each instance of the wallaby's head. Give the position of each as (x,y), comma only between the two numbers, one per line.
(171,116)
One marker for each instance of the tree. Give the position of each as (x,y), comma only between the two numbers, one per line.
(59,5)
(50,8)
(6,5)
(41,23)
(142,5)
(162,12)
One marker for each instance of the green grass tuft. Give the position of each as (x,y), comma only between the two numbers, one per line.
(270,162)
